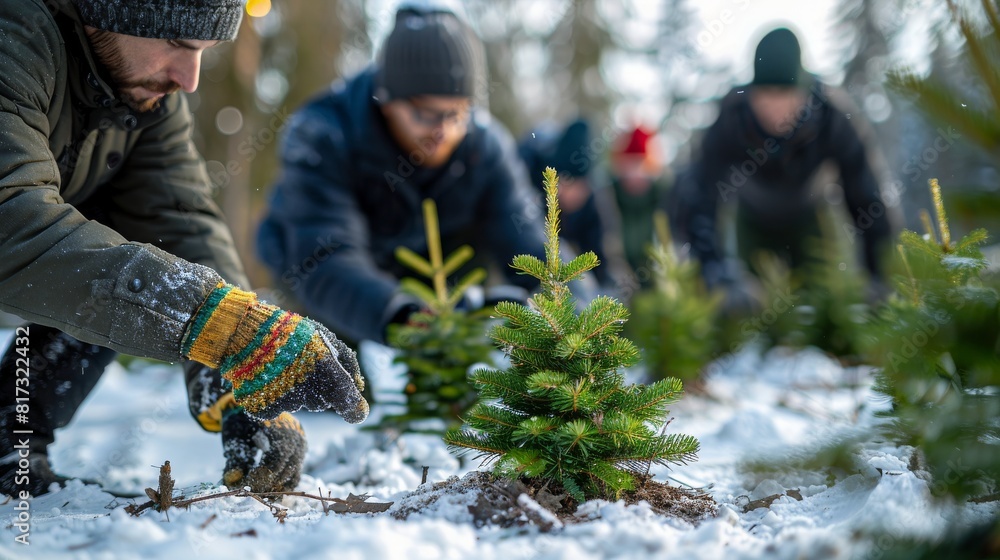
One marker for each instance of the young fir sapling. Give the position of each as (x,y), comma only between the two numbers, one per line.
(676,323)
(561,411)
(440,344)
(823,304)
(944,378)
(936,345)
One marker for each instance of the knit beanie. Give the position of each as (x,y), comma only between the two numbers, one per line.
(572,154)
(778,60)
(206,20)
(429,52)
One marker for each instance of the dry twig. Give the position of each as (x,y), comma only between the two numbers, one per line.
(353,503)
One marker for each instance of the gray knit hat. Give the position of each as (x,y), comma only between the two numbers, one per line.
(429,52)
(206,20)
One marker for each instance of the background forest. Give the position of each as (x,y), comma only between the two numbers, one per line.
(614,62)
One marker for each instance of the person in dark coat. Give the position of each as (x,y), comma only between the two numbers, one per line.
(359,159)
(110,242)
(584,218)
(764,152)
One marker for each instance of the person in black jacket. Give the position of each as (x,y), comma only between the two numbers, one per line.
(764,151)
(359,159)
(583,221)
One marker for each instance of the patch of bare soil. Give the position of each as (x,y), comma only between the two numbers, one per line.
(493,501)
(673,501)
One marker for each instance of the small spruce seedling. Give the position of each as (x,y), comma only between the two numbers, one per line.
(438,346)
(562,411)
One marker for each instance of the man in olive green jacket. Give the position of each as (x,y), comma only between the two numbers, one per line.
(110,242)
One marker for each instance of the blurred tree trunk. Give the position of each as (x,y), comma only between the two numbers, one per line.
(228,81)
(503,101)
(576,47)
(298,47)
(498,25)
(315,30)
(868,26)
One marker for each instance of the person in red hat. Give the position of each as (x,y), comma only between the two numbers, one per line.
(639,187)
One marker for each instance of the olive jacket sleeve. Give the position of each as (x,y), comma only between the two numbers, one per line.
(58,268)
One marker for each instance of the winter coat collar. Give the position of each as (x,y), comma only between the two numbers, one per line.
(807,128)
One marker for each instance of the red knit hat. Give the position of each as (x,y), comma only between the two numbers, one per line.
(638,144)
(635,142)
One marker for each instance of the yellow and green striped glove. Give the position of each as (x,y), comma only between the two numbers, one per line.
(277,361)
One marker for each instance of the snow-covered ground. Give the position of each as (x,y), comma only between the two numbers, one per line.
(771,409)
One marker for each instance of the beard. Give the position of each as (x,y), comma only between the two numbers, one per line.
(109,53)
(431,150)
(436,150)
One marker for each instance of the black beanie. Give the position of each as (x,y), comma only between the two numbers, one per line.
(206,20)
(778,61)
(427,53)
(571,157)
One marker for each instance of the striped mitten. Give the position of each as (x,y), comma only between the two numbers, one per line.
(277,361)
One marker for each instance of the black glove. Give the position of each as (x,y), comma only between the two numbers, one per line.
(207,400)
(741,299)
(877,292)
(742,294)
(281,442)
(266,456)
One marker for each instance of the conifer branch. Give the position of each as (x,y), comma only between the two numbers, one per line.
(925,219)
(552,260)
(414,261)
(490,379)
(991,15)
(457,259)
(462,441)
(941,216)
(434,248)
(984,67)
(488,414)
(979,126)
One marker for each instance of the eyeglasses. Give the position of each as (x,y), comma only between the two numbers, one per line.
(431,118)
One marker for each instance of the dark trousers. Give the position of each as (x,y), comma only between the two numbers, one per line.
(795,244)
(61,372)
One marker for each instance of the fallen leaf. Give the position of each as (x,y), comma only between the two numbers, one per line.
(357,504)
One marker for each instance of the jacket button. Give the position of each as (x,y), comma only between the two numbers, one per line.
(129,122)
(114,158)
(92,81)
(136,285)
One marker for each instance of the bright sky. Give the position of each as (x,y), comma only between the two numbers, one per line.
(728,31)
(813,21)
(725,34)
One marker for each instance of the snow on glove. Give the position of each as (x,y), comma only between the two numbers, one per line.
(277,361)
(266,456)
